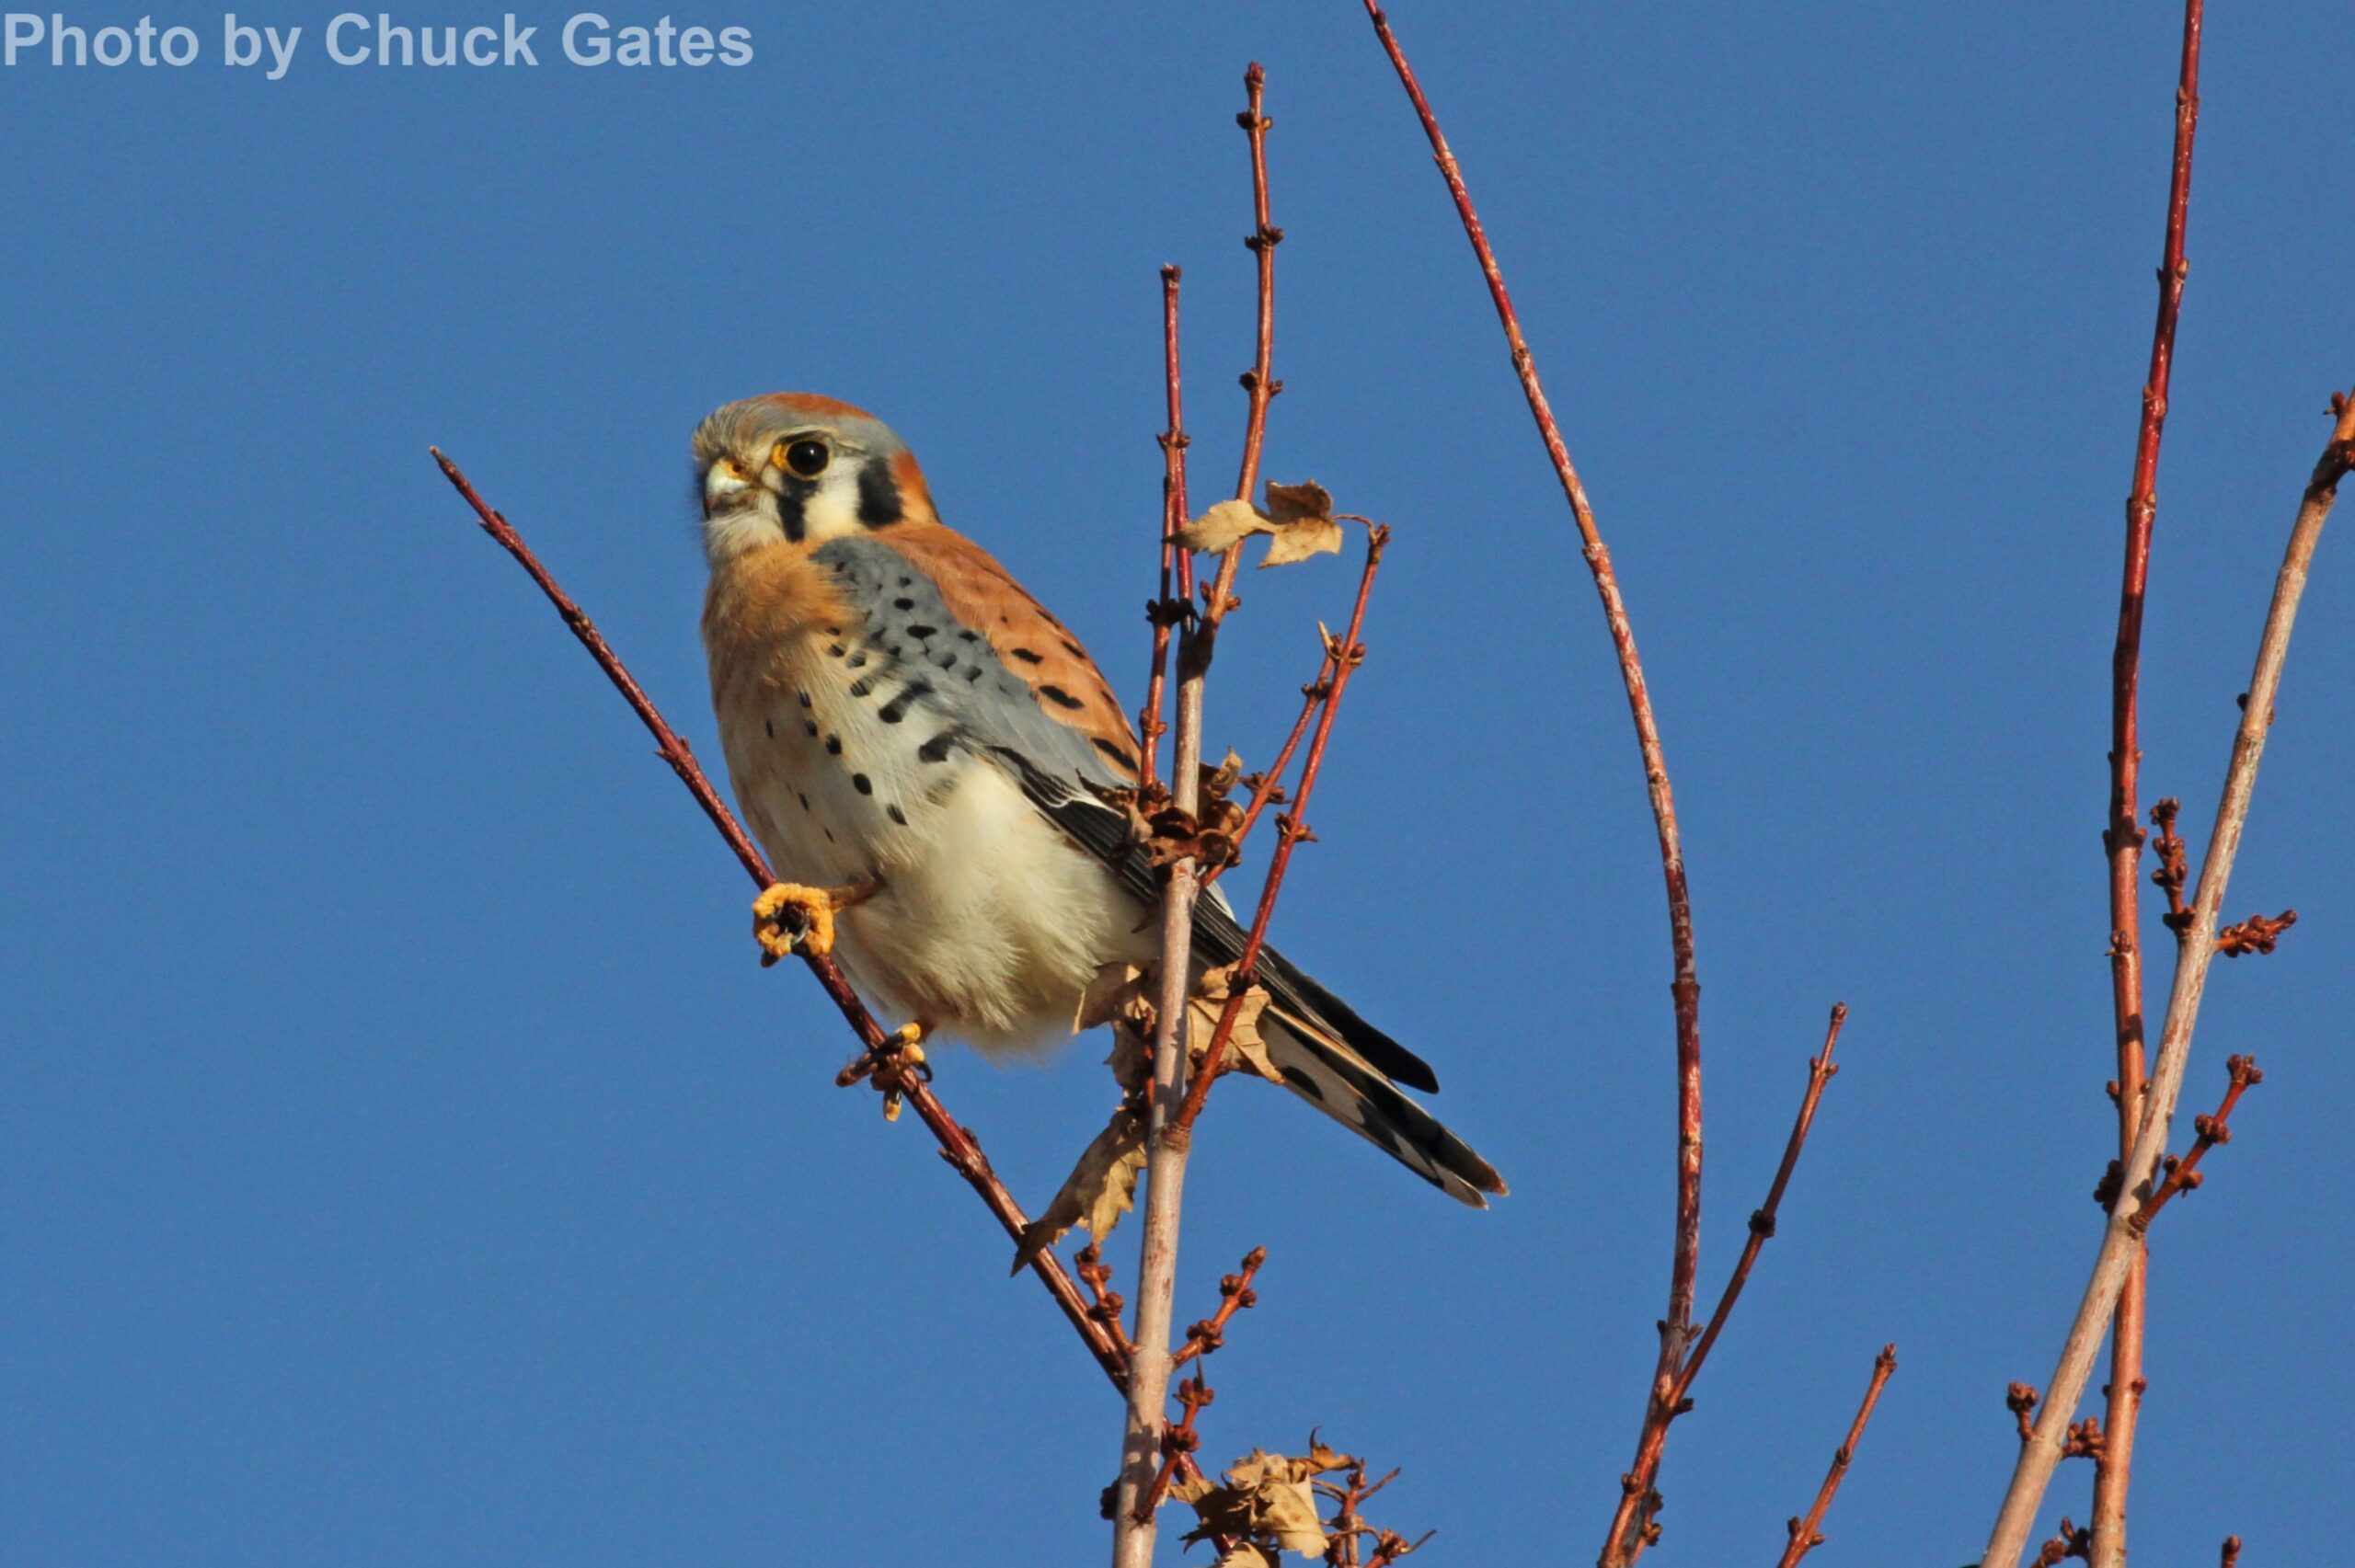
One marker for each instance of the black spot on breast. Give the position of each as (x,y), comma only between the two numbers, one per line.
(805,801)
(937,749)
(859,662)
(896,815)
(770,727)
(946,658)
(1074,649)
(1025,656)
(972,674)
(897,708)
(1303,1082)
(804,696)
(864,684)
(907,582)
(1119,754)
(837,650)
(903,604)
(971,636)
(920,633)
(879,494)
(810,725)
(862,784)
(834,744)
(1060,697)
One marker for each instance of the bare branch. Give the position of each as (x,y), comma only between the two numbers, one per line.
(1168,1140)
(958,1145)
(2121,1239)
(1806,1533)
(1676,1328)
(2124,838)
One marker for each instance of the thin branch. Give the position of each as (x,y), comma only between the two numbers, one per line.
(2184,1175)
(2122,841)
(1176,596)
(1806,1533)
(1262,241)
(1179,1441)
(1292,826)
(958,1145)
(2229,1555)
(1167,1140)
(1676,1328)
(1269,787)
(1819,1071)
(2122,1240)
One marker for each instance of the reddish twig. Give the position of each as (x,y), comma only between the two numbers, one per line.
(1347,1531)
(2123,839)
(1177,565)
(1819,1073)
(2122,1238)
(1262,241)
(2172,871)
(2072,1541)
(2183,1174)
(1806,1533)
(1179,1440)
(1104,1304)
(1676,1327)
(1292,826)
(1268,787)
(2256,934)
(2020,1400)
(958,1145)
(1234,1295)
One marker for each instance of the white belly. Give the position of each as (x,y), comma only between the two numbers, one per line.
(990,922)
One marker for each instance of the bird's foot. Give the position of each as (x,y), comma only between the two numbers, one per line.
(788,916)
(893,1066)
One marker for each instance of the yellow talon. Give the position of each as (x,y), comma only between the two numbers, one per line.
(894,1064)
(813,931)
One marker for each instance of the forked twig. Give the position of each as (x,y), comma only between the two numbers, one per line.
(958,1145)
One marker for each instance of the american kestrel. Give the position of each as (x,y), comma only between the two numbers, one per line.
(904,725)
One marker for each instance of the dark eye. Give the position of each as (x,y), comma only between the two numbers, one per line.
(807,458)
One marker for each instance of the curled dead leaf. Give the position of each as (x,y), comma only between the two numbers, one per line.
(1100,1188)
(1266,1500)
(1303,524)
(1246,1046)
(1224,526)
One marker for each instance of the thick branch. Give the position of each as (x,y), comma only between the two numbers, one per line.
(1169,1140)
(2122,1240)
(2122,840)
(1806,1533)
(958,1145)
(1676,1329)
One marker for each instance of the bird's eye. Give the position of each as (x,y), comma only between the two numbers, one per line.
(806,457)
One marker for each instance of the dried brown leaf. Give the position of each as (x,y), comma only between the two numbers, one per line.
(1112,996)
(1100,1188)
(1292,503)
(1224,526)
(1302,522)
(1246,1046)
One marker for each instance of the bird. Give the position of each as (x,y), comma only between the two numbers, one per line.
(931,761)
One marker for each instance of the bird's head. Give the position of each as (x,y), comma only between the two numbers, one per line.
(793,466)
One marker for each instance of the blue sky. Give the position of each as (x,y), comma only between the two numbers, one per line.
(402,1160)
